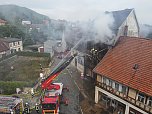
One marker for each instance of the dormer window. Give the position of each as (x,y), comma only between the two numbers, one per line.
(150,102)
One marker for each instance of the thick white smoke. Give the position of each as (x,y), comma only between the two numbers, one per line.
(102,25)
(93,26)
(145,30)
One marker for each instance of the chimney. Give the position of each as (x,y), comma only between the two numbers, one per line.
(125,30)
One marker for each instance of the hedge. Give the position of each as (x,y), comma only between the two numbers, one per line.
(33,54)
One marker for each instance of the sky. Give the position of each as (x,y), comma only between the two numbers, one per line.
(82,10)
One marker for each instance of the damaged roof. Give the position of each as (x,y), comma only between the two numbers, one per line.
(119,17)
(129,63)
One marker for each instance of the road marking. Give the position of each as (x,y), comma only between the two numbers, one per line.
(69,72)
(81,110)
(77,85)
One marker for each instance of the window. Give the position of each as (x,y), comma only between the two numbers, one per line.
(107,81)
(110,83)
(141,97)
(18,43)
(117,86)
(124,89)
(104,80)
(150,101)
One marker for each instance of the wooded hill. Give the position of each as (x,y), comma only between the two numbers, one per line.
(14,14)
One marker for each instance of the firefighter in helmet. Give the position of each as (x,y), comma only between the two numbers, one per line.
(37,108)
(27,108)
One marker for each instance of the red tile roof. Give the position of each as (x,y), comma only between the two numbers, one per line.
(2,21)
(3,47)
(118,63)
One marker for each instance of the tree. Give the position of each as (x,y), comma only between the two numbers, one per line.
(10,30)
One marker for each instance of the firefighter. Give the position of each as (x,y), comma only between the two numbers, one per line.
(11,111)
(37,108)
(27,108)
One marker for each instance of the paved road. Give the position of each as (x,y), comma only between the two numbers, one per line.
(72,95)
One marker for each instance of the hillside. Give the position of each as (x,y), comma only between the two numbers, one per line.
(14,13)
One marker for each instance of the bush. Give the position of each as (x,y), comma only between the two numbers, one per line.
(9,87)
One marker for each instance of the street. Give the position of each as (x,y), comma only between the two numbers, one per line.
(72,95)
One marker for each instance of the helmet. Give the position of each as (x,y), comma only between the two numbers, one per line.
(26,104)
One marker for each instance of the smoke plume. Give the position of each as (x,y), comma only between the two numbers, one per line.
(145,30)
(91,28)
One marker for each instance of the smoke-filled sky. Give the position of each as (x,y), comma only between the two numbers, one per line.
(85,9)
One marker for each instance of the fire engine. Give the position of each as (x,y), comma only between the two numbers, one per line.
(52,92)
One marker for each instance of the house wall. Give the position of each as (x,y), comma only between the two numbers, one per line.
(79,66)
(2,24)
(49,47)
(41,49)
(131,22)
(99,79)
(127,104)
(78,61)
(4,53)
(132,93)
(18,46)
(1,54)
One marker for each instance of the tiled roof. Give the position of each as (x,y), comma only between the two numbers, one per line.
(9,40)
(3,47)
(2,21)
(118,63)
(119,17)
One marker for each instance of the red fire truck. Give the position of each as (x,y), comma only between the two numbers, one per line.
(52,96)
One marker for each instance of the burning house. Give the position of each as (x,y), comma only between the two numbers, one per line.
(124,24)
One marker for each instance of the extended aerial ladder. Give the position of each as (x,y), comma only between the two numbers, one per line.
(53,91)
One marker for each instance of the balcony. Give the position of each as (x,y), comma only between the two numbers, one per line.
(124,97)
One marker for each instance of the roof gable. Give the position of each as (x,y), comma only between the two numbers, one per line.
(119,63)
(119,17)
